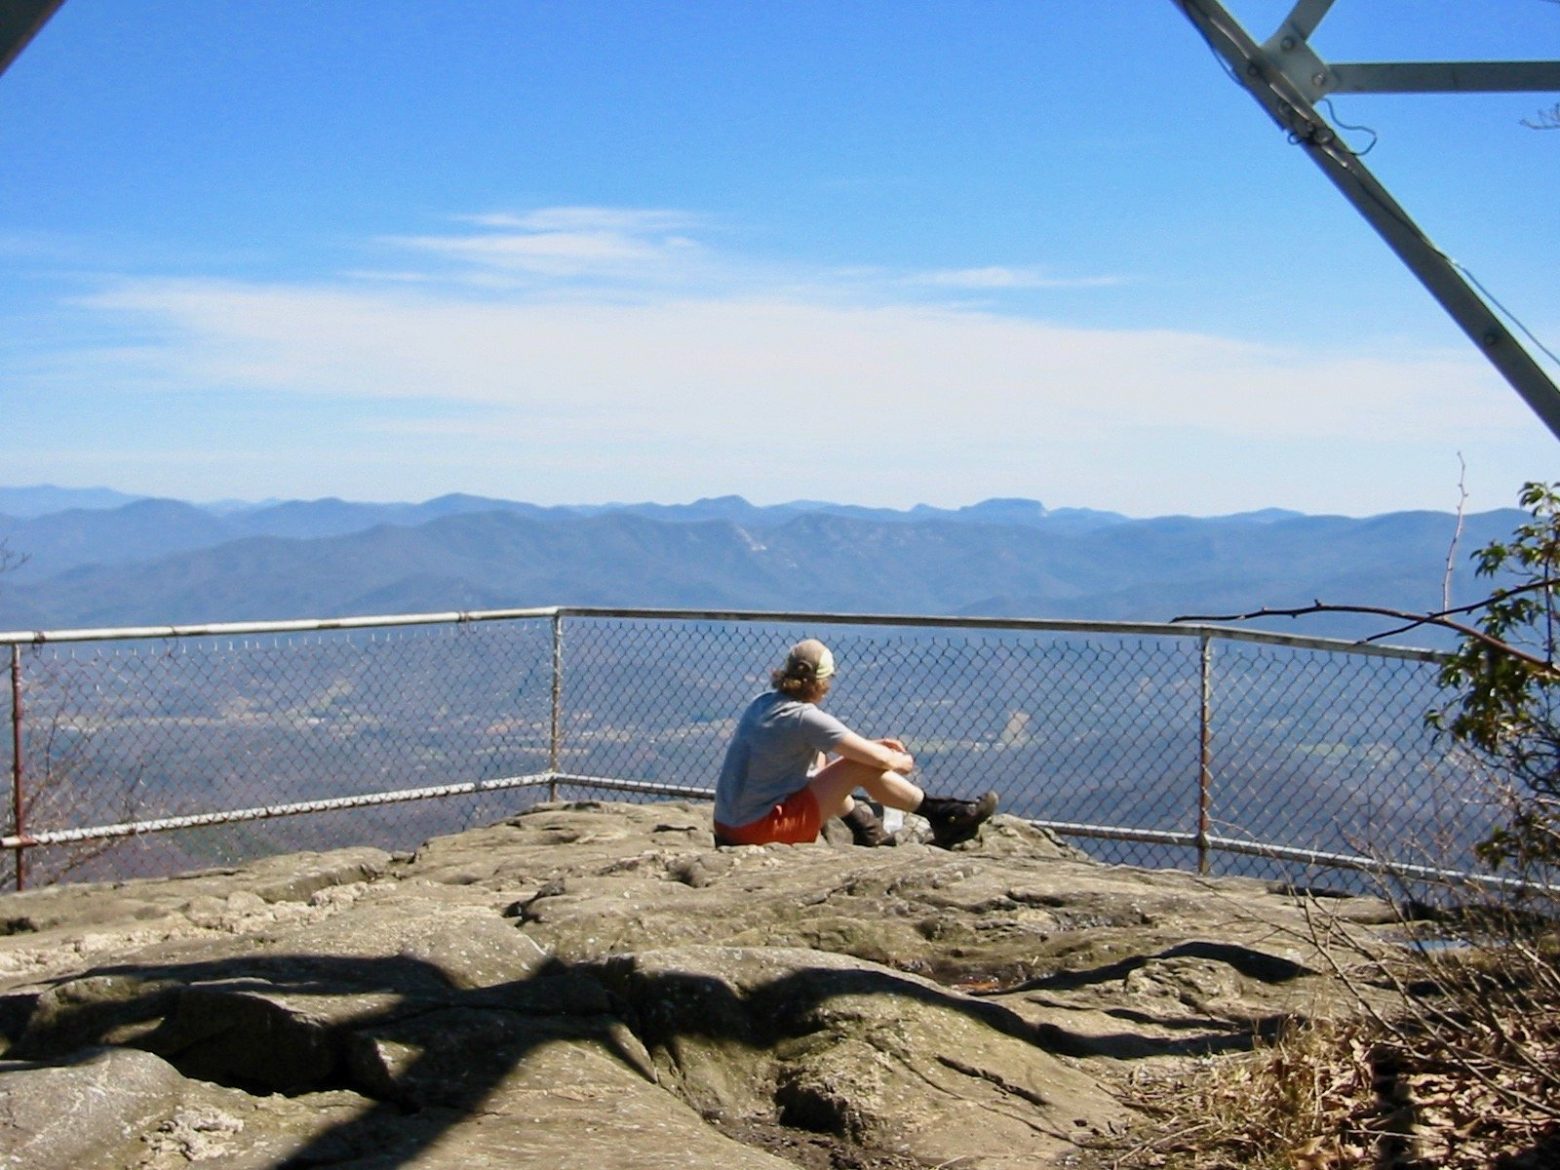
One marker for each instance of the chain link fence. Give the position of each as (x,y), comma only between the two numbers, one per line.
(148,752)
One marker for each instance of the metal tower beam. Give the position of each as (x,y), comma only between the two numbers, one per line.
(20,21)
(1286,77)
(1442,77)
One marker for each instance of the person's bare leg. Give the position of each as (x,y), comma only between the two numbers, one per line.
(834,784)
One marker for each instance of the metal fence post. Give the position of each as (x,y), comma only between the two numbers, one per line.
(17,768)
(1204,750)
(555,733)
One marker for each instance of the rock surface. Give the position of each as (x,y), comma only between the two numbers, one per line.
(600,986)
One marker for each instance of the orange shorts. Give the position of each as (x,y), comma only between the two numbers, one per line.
(793,821)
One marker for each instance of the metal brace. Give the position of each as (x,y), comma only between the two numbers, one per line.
(1288,77)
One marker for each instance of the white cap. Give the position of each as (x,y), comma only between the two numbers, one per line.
(809,661)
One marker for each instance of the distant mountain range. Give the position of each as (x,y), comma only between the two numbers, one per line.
(96,557)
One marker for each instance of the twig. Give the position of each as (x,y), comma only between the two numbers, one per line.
(1428,1017)
(1451,552)
(1324,949)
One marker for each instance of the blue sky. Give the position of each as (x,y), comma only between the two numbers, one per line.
(868,252)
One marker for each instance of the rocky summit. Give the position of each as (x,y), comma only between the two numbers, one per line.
(600,986)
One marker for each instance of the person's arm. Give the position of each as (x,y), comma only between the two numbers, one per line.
(887,754)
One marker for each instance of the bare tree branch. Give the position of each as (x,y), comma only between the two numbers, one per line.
(10,560)
(1545,120)
(1444,619)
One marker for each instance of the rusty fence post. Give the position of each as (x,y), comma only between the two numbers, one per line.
(1204,750)
(553,754)
(18,770)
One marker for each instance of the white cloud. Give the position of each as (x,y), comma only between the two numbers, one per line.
(861,366)
(714,385)
(568,243)
(627,220)
(549,253)
(998,277)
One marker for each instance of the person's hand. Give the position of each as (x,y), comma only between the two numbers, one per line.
(905,763)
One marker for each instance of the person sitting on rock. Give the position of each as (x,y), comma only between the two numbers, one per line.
(775,786)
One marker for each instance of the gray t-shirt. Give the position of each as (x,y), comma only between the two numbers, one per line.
(776,742)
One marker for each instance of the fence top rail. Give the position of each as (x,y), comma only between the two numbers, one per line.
(292,626)
(1042,625)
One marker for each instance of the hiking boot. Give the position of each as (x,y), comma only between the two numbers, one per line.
(865,828)
(954,821)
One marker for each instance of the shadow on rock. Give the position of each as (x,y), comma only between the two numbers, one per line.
(823,1042)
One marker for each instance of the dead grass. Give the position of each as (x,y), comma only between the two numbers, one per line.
(1460,1072)
(1283,1105)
